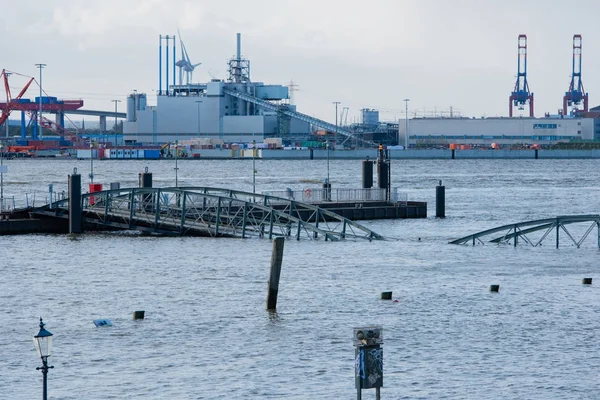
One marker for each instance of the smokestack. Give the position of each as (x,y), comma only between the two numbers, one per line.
(239,46)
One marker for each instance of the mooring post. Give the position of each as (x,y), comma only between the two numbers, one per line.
(440,201)
(276,259)
(75,210)
(145,182)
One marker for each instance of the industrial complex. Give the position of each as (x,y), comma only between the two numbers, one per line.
(573,122)
(239,111)
(235,110)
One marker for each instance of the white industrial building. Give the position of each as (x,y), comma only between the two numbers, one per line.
(503,131)
(235,110)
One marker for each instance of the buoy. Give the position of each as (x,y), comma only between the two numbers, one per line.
(396,300)
(102,322)
(494,288)
(138,314)
(586,281)
(386,295)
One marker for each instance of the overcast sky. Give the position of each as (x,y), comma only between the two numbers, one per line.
(373,54)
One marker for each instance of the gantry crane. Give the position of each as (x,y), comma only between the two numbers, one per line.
(521,96)
(576,95)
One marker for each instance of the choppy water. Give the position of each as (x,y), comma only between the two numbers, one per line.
(207,335)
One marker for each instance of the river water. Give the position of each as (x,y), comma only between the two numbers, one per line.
(207,335)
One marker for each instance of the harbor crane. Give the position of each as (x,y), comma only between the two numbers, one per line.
(521,96)
(576,95)
(11,103)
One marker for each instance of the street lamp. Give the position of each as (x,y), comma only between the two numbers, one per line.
(43,346)
(198,102)
(336,122)
(406,125)
(2,177)
(116,103)
(176,156)
(7,75)
(253,166)
(91,161)
(41,66)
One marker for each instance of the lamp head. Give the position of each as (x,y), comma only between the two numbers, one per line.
(43,341)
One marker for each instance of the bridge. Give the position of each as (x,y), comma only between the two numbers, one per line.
(535,232)
(208,212)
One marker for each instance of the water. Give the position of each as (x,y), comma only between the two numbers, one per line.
(207,335)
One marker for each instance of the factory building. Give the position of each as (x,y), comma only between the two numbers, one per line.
(502,131)
(235,110)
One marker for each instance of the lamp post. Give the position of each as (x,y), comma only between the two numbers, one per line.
(327,145)
(91,161)
(7,75)
(406,124)
(198,102)
(253,166)
(43,346)
(40,66)
(116,103)
(336,122)
(176,157)
(2,177)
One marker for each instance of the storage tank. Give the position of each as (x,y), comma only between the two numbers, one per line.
(141,104)
(131,108)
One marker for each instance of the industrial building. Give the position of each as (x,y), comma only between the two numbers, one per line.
(425,132)
(235,110)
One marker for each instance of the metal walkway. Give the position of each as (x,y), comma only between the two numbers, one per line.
(212,212)
(513,233)
(294,114)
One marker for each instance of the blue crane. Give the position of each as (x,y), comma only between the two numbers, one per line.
(521,96)
(576,95)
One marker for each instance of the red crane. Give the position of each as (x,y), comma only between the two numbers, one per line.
(11,103)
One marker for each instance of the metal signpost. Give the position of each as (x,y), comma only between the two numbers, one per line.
(368,359)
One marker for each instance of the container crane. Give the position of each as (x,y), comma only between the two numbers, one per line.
(576,95)
(521,96)
(11,104)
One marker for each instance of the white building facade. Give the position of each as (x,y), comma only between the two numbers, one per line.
(502,131)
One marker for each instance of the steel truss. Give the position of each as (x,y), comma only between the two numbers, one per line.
(519,231)
(213,212)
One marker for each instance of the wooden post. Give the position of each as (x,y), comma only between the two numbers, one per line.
(276,258)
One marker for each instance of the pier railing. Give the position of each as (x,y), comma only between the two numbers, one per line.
(322,195)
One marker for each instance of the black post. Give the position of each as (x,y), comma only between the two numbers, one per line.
(367,174)
(440,201)
(75,210)
(276,260)
(145,181)
(45,367)
(453,154)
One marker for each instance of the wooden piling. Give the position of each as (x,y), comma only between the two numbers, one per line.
(273,286)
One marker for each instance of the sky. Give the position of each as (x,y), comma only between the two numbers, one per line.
(437,53)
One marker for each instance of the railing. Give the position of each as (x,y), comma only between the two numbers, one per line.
(35,198)
(7,204)
(321,195)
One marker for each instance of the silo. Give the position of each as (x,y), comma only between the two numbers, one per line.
(131,108)
(141,104)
